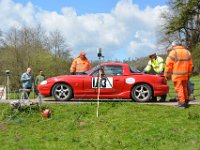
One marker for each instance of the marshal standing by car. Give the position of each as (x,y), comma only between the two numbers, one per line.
(80,64)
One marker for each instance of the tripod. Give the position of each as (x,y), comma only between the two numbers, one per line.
(101,75)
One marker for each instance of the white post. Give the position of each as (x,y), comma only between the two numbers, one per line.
(99,54)
(40,101)
(3,93)
(98,95)
(8,90)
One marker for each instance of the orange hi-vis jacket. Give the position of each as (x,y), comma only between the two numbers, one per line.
(178,64)
(80,65)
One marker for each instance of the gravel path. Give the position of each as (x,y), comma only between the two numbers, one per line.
(49,101)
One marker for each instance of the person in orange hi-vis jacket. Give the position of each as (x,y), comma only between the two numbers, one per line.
(80,65)
(178,66)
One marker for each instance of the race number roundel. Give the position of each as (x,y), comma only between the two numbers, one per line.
(130,80)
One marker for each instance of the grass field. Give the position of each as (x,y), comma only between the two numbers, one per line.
(120,126)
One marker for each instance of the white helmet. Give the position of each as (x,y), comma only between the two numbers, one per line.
(153,54)
(176,43)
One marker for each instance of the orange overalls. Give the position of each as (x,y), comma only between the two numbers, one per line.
(80,65)
(179,66)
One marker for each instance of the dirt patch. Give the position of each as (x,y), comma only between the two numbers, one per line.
(82,123)
(3,127)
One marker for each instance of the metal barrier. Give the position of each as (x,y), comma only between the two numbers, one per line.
(24,93)
(16,94)
(24,101)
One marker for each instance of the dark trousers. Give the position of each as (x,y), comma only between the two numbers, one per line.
(26,92)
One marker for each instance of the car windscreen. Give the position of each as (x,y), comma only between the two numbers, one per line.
(92,70)
(134,70)
(108,70)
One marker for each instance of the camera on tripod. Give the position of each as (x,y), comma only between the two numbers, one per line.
(99,53)
(7,72)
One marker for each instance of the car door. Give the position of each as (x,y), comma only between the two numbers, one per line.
(87,86)
(111,81)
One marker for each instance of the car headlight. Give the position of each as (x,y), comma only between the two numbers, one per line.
(43,82)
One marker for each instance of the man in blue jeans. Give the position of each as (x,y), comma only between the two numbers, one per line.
(27,81)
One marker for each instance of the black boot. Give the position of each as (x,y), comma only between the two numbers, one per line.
(154,99)
(187,102)
(182,105)
(163,98)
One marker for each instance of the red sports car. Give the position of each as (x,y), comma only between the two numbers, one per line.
(110,81)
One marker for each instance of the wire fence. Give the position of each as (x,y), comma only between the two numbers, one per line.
(15,94)
(172,92)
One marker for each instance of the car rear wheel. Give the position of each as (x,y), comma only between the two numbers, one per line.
(62,92)
(141,93)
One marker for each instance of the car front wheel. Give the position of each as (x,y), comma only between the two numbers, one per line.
(62,92)
(141,93)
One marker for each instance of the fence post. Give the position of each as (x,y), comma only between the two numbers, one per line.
(40,101)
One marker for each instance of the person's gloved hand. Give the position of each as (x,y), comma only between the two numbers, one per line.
(160,73)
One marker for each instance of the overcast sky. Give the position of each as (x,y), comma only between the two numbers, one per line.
(122,28)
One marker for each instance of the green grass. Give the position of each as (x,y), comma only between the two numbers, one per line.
(17,95)
(120,125)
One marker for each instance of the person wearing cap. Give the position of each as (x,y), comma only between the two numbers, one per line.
(157,64)
(80,65)
(179,68)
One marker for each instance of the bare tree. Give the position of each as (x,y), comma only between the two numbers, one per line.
(57,45)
